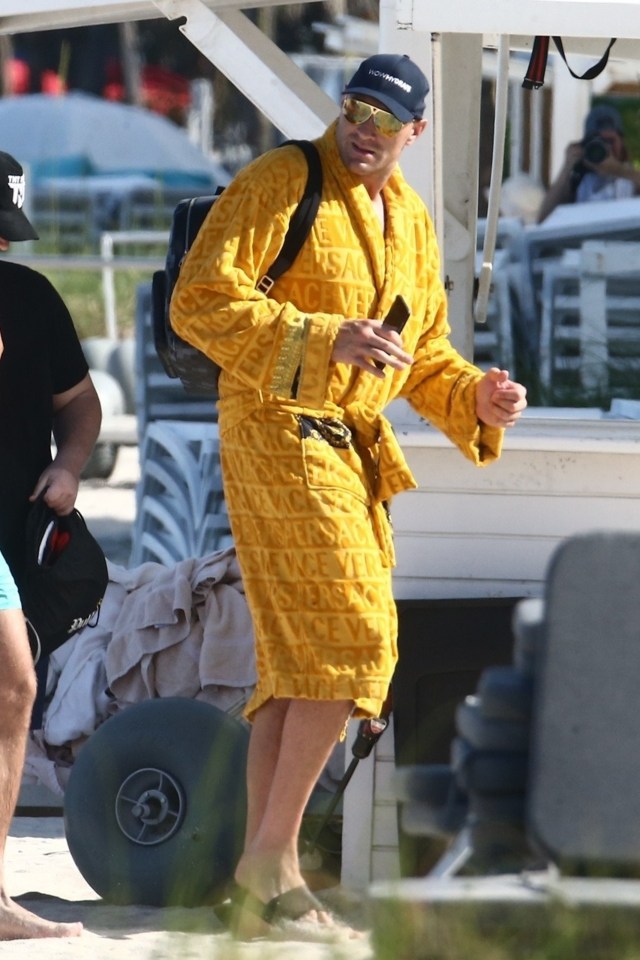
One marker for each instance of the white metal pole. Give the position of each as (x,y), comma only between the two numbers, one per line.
(108,286)
(497,164)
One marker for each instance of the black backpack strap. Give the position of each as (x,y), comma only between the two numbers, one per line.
(302,219)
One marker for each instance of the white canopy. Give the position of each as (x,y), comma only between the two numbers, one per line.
(519,18)
(564,18)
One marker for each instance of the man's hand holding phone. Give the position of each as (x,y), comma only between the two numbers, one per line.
(360,342)
(396,319)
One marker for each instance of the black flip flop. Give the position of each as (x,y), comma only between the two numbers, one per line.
(290,905)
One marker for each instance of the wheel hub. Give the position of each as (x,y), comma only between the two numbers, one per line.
(149,806)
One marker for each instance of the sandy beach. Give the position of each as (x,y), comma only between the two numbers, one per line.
(43,877)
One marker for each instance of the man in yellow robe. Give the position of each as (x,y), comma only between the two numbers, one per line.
(309,461)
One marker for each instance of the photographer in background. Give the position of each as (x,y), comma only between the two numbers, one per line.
(595,168)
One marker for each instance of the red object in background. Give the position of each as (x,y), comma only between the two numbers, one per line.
(52,83)
(19,79)
(163,92)
(18,76)
(114,87)
(113,91)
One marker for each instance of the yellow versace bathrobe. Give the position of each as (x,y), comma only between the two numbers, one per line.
(309,461)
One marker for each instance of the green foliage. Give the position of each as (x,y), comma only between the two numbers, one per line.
(82,292)
(468,930)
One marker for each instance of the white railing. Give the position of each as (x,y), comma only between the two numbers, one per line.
(108,241)
(107,262)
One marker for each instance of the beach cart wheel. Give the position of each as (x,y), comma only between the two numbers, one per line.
(155,804)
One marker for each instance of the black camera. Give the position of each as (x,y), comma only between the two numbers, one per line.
(595,149)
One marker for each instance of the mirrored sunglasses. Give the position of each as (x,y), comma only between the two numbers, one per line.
(357,111)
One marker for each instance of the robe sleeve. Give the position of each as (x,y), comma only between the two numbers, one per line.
(442,384)
(267,345)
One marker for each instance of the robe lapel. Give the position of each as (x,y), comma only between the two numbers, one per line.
(379,248)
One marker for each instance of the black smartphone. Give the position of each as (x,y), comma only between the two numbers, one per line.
(398,315)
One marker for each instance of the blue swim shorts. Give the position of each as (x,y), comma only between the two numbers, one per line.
(9,596)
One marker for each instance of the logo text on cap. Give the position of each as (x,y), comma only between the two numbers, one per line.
(16,185)
(387,76)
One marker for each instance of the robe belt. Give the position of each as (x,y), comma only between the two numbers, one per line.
(372,435)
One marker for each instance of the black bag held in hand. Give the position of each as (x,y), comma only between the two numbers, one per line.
(65,578)
(198,373)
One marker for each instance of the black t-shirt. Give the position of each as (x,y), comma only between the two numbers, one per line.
(42,357)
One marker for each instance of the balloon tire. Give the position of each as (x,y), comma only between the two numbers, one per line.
(202,750)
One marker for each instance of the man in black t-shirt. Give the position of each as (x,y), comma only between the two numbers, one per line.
(45,385)
(45,388)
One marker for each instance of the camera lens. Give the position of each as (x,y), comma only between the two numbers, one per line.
(596,150)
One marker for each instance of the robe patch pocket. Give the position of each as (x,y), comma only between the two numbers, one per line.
(329,458)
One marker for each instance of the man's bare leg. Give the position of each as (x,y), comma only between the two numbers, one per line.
(262,760)
(291,742)
(17,694)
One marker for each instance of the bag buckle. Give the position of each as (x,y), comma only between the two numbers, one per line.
(264,284)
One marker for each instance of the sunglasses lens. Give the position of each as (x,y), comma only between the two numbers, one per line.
(387,124)
(356,111)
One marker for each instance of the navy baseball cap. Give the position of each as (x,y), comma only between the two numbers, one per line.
(603,117)
(395,81)
(14,224)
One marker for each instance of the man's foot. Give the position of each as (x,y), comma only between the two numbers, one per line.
(16,923)
(293,915)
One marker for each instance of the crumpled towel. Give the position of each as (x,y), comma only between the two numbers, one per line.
(81,701)
(182,629)
(77,698)
(38,767)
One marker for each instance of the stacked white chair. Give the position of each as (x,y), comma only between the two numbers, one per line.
(181,511)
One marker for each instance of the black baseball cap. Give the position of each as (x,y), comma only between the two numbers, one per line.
(13,222)
(393,79)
